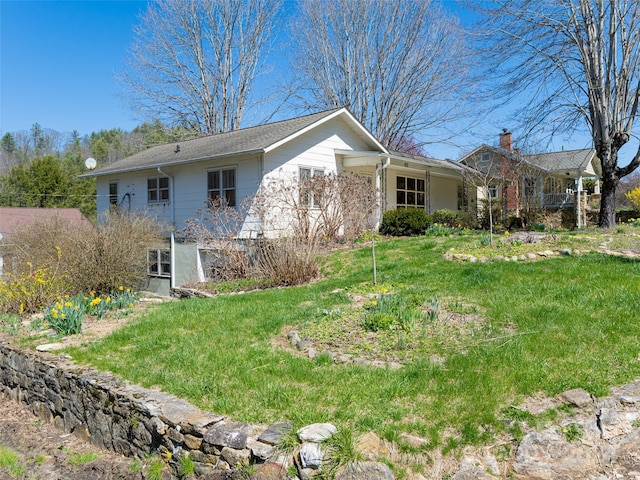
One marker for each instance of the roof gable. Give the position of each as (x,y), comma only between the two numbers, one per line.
(261,138)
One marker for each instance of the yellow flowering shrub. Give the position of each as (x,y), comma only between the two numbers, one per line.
(634,197)
(29,291)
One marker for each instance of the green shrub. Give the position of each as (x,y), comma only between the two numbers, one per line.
(446,217)
(459,219)
(405,222)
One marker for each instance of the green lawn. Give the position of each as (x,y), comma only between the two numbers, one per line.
(547,326)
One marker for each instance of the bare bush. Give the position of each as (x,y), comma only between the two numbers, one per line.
(285,261)
(99,258)
(319,207)
(276,233)
(218,229)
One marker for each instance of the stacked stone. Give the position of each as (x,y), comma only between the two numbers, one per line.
(135,421)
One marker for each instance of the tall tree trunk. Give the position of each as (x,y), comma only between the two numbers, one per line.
(607,217)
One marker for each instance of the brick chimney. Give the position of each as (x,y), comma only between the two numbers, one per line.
(506,140)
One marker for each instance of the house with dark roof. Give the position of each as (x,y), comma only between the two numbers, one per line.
(172,181)
(527,185)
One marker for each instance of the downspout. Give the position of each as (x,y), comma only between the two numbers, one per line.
(172,253)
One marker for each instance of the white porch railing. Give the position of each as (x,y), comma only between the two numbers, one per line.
(551,200)
(558,199)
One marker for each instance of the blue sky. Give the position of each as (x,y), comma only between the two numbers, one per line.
(58,60)
(57,64)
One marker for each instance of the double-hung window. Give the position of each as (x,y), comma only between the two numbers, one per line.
(410,192)
(307,196)
(221,186)
(159,262)
(158,190)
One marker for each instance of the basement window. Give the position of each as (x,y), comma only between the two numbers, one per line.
(159,262)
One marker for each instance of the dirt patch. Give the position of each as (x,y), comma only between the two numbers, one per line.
(49,454)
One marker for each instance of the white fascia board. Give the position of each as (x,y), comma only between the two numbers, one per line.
(342,111)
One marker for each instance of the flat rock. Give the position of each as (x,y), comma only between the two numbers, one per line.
(274,433)
(316,432)
(372,447)
(364,471)
(232,434)
(547,455)
(470,470)
(236,457)
(577,397)
(270,471)
(50,347)
(259,449)
(311,455)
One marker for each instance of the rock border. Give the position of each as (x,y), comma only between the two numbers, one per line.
(99,408)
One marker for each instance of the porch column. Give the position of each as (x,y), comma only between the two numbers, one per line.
(579,201)
(427,183)
(380,193)
(596,188)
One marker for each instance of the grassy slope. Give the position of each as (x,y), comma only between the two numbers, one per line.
(572,322)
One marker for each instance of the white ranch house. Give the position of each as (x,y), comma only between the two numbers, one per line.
(172,181)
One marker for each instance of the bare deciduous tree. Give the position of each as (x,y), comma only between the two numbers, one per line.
(577,63)
(194,62)
(397,66)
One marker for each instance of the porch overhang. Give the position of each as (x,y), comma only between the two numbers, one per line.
(440,168)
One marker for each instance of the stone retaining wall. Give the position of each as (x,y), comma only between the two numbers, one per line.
(129,419)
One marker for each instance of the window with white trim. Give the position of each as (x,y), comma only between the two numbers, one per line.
(307,197)
(221,185)
(158,190)
(410,192)
(485,157)
(159,262)
(493,191)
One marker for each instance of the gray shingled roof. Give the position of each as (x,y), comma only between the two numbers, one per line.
(245,140)
(563,160)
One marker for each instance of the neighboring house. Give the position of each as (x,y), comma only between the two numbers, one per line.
(14,218)
(172,181)
(527,183)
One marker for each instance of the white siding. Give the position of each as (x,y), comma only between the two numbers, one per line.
(315,148)
(189,192)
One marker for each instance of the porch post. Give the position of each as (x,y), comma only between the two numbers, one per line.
(579,201)
(379,197)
